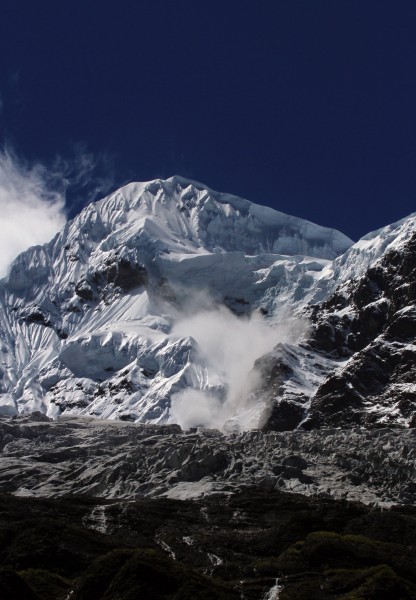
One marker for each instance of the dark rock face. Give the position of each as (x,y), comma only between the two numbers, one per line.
(371,322)
(239,306)
(276,369)
(36,316)
(289,375)
(119,273)
(284,416)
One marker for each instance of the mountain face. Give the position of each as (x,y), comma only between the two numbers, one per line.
(169,302)
(103,320)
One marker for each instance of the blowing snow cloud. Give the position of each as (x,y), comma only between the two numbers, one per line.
(33,196)
(228,347)
(31,211)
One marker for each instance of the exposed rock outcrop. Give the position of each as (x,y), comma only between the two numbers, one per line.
(370,321)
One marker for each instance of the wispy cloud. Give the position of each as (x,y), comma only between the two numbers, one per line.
(31,210)
(84,176)
(33,197)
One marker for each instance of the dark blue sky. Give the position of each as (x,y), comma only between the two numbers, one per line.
(308,106)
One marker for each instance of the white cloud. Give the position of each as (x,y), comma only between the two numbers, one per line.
(32,196)
(31,207)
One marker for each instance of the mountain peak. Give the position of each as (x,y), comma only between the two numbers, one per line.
(216,219)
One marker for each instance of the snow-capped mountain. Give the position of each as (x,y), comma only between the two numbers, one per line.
(102,320)
(155,304)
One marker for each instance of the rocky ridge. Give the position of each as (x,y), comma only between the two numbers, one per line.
(371,321)
(356,365)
